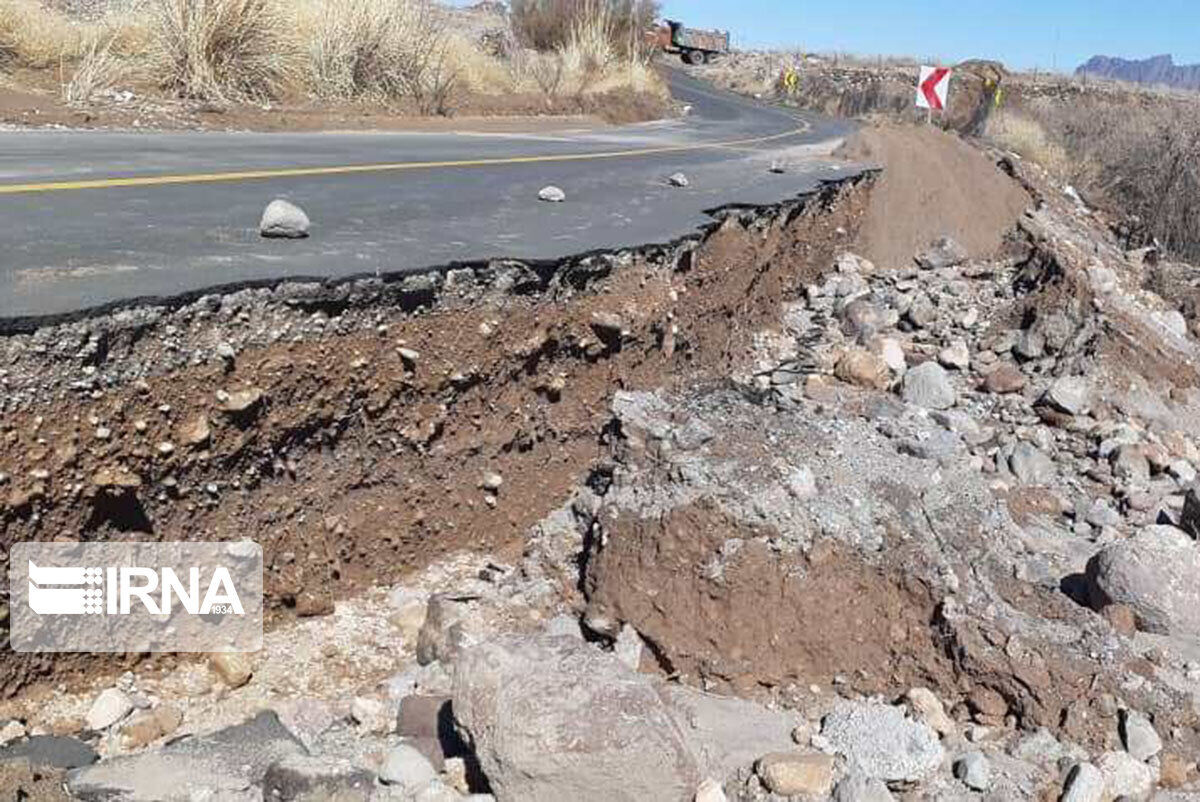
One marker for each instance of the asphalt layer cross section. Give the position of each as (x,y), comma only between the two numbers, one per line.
(103,219)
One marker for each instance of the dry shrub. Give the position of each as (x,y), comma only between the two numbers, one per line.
(1140,156)
(1025,136)
(587,47)
(550,25)
(100,69)
(222,50)
(383,49)
(34,36)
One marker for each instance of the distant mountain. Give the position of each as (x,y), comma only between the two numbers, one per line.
(1161,70)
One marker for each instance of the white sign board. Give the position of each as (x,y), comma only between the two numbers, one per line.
(933,88)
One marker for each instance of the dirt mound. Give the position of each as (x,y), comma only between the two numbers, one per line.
(763,617)
(934,185)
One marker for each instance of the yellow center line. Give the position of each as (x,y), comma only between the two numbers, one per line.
(297,172)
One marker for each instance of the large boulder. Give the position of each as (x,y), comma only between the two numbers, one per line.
(554,718)
(1155,573)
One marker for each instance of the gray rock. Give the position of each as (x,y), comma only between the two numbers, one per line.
(974,770)
(1084,783)
(921,312)
(316,779)
(1030,465)
(1070,394)
(406,767)
(52,751)
(227,761)
(1156,573)
(928,385)
(1030,345)
(1129,463)
(1189,521)
(943,253)
(858,786)
(284,220)
(678,180)
(1139,736)
(552,194)
(1101,513)
(862,320)
(555,718)
(881,740)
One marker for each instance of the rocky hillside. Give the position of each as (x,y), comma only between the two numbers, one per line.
(1157,71)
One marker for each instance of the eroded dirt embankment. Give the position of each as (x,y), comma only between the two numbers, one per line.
(350,430)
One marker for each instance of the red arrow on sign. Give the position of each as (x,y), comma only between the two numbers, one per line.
(929,87)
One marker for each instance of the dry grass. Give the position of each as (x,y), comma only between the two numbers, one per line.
(100,69)
(36,37)
(1135,151)
(1025,136)
(372,50)
(222,49)
(381,49)
(554,25)
(585,47)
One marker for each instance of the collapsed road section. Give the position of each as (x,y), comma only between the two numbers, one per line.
(752,515)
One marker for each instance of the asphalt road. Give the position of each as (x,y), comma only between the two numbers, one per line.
(89,219)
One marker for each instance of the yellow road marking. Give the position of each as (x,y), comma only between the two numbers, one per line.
(298,172)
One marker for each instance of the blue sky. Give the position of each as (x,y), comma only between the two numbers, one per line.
(1021,33)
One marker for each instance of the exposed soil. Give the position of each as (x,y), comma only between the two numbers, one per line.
(758,617)
(935,185)
(363,461)
(31,99)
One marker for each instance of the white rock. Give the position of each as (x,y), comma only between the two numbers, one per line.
(678,180)
(929,708)
(710,791)
(1084,783)
(110,707)
(284,220)
(956,356)
(974,771)
(408,768)
(1124,775)
(1173,321)
(801,483)
(893,355)
(11,732)
(885,744)
(1139,736)
(1071,394)
(628,647)
(552,194)
(371,714)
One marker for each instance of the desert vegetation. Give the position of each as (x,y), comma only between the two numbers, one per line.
(412,52)
(1136,150)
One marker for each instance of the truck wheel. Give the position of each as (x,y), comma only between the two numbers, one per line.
(703,58)
(690,57)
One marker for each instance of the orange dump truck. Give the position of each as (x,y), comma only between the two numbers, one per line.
(693,45)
